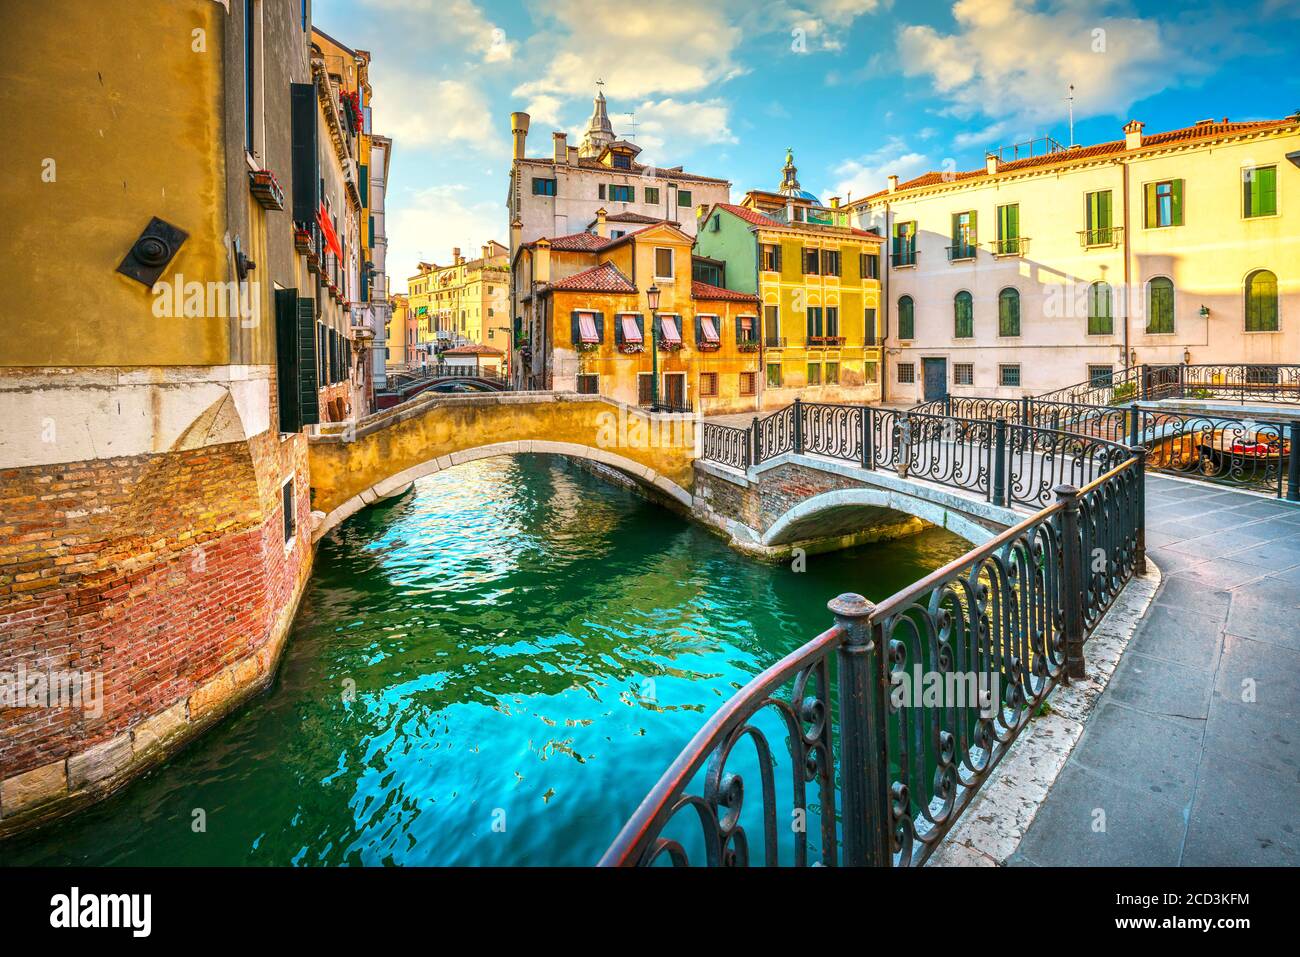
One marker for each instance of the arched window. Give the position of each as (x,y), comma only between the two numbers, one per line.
(906,319)
(1160,306)
(1009,312)
(1261,301)
(963,316)
(1101,316)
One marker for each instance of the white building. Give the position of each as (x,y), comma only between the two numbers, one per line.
(381,155)
(1050,269)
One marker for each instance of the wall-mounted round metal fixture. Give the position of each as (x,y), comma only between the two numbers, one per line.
(150,254)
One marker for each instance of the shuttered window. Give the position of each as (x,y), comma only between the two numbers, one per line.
(906,319)
(1100,310)
(963,316)
(1164,203)
(1009,313)
(1160,306)
(1261,301)
(1259,191)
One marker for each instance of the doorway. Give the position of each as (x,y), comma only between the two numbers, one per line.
(936,378)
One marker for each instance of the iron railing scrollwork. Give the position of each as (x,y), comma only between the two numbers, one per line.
(725,445)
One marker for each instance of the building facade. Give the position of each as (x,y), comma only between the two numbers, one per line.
(466,302)
(817,280)
(1052,269)
(380,309)
(397,336)
(585,322)
(156,522)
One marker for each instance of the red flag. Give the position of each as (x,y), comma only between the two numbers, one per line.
(327,229)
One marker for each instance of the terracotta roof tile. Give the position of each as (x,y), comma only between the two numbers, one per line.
(579,242)
(661,172)
(473,349)
(604,278)
(756,218)
(704,290)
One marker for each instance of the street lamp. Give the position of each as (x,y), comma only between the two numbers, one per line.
(652,301)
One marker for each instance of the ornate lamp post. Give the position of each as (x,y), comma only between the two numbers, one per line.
(652,301)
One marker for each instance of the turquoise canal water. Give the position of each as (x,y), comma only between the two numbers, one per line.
(492,670)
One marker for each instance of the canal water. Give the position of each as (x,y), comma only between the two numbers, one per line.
(492,670)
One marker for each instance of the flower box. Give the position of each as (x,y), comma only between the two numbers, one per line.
(670,346)
(707,346)
(747,346)
(265,189)
(302,240)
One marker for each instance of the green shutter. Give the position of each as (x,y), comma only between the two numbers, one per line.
(906,317)
(972,235)
(1152,216)
(286,359)
(308,397)
(1176,189)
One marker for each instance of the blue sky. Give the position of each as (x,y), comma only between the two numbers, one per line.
(859,88)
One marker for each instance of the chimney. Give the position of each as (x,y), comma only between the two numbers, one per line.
(601,229)
(1133,134)
(573,156)
(991,163)
(560,142)
(542,261)
(487,252)
(455,255)
(516,234)
(893,183)
(835,202)
(519,129)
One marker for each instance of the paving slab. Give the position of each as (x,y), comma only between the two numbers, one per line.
(1242,816)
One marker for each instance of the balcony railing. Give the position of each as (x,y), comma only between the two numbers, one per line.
(823,342)
(774,342)
(961,252)
(1105,236)
(1015,246)
(904,257)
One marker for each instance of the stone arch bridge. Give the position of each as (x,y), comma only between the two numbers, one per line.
(792,500)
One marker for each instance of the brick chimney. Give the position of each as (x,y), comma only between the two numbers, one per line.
(992,163)
(602,229)
(561,144)
(516,234)
(893,183)
(455,256)
(1133,134)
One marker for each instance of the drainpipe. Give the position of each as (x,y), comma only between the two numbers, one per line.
(760,377)
(1128,284)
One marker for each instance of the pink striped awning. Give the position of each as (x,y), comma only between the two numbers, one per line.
(631,331)
(668,328)
(587,327)
(708,328)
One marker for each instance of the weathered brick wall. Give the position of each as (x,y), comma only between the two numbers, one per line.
(760,505)
(168,574)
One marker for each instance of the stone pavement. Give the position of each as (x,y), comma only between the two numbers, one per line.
(1192,755)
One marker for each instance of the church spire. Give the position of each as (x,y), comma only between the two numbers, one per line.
(789,179)
(600,131)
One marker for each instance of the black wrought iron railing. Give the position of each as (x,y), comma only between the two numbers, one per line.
(1013,246)
(1102,236)
(961,251)
(831,737)
(1237,382)
(725,444)
(903,256)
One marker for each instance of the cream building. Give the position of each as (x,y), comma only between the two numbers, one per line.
(1050,269)
(560,195)
(462,303)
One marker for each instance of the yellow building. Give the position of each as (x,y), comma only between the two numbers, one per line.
(818,281)
(586,323)
(396,332)
(465,302)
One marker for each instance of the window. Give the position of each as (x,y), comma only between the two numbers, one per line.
(904,253)
(906,372)
(1259,191)
(708,330)
(963,316)
(252,9)
(1009,312)
(631,329)
(1261,301)
(830,262)
(964,234)
(1009,375)
(668,331)
(833,321)
(832,373)
(684,197)
(600,190)
(906,323)
(1097,219)
(814,322)
(543,187)
(811,262)
(617,233)
(868,372)
(1164,203)
(869,328)
(621,194)
(745,329)
(1008,238)
(770,258)
(587,328)
(963,373)
(774,375)
(814,373)
(644,388)
(748,381)
(651,195)
(621,161)
(708,384)
(1101,320)
(588,383)
(305,22)
(1160,306)
(288,505)
(869,265)
(663,263)
(772,325)
(1100,375)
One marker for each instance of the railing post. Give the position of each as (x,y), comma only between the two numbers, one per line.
(947,404)
(1140,560)
(753,442)
(868,437)
(864,741)
(1000,462)
(1072,561)
(903,447)
(798,426)
(1293,465)
(1025,409)
(1142,382)
(1134,425)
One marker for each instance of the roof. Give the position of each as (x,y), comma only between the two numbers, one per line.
(473,349)
(704,290)
(579,242)
(755,218)
(604,278)
(658,172)
(1204,130)
(627,218)
(591,243)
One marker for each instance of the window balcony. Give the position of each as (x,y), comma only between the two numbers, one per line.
(1099,238)
(824,342)
(962,252)
(1016,246)
(774,342)
(903,258)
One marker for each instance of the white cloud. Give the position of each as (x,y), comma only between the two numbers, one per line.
(1016,58)
(824,21)
(418,112)
(867,174)
(461,22)
(427,224)
(668,127)
(673,47)
(545,110)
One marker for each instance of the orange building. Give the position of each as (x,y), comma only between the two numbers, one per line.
(585,322)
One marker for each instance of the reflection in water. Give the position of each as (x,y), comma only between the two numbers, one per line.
(492,670)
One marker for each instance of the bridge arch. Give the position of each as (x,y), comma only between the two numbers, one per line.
(849,510)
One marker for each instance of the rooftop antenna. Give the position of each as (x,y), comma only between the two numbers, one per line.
(632,122)
(1070,99)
